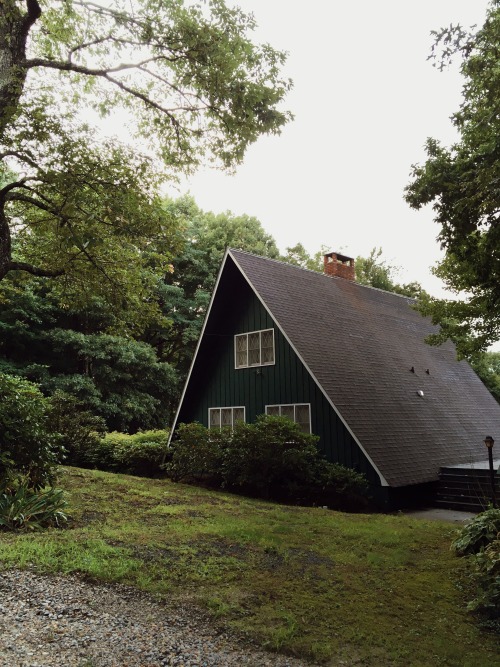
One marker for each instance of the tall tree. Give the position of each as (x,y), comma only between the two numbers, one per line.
(487,366)
(194,88)
(461,184)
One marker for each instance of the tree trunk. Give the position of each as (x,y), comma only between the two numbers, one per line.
(5,245)
(14,30)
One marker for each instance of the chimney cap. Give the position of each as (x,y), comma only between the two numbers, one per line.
(339,256)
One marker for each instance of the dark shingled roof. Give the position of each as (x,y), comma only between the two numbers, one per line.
(360,344)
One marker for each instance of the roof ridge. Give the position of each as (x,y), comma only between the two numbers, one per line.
(320,273)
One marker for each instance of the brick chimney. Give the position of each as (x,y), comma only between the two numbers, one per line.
(339,265)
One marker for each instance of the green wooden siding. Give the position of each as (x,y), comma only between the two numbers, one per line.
(215,382)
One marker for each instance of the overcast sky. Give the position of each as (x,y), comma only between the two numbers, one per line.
(365,98)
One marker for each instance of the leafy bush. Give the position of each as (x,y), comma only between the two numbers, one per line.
(100,455)
(335,485)
(270,458)
(80,431)
(478,533)
(479,541)
(486,573)
(141,453)
(138,454)
(23,507)
(197,455)
(28,443)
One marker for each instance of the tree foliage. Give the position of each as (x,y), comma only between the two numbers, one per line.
(87,214)
(86,210)
(461,184)
(487,366)
(116,377)
(298,256)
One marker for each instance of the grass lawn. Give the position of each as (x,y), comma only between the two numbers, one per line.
(343,589)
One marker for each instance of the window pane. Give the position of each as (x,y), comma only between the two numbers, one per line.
(288,411)
(253,349)
(238,415)
(214,415)
(273,410)
(267,346)
(241,351)
(226,417)
(303,417)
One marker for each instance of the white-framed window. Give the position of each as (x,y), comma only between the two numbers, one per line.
(255,348)
(300,413)
(222,417)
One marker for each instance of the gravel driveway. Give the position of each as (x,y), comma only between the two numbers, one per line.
(55,621)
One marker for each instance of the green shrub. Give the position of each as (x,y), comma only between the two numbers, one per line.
(28,443)
(138,454)
(80,431)
(478,533)
(22,507)
(485,567)
(197,454)
(337,486)
(100,455)
(141,453)
(486,572)
(271,458)
(479,541)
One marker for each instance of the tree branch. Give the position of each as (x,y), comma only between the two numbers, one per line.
(107,11)
(34,202)
(17,184)
(21,157)
(35,270)
(85,45)
(68,66)
(80,69)
(84,250)
(123,41)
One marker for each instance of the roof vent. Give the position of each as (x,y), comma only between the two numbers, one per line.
(338,265)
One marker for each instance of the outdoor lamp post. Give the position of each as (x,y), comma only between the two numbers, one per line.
(489,442)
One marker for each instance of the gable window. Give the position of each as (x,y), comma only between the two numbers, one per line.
(223,417)
(254,349)
(300,413)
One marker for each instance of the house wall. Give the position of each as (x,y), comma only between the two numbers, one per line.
(215,382)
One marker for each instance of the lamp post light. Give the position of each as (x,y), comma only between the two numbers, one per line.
(489,442)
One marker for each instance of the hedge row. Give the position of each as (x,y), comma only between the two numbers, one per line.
(271,458)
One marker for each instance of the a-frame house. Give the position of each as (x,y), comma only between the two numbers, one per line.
(347,362)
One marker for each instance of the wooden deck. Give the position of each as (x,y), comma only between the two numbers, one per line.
(467,487)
